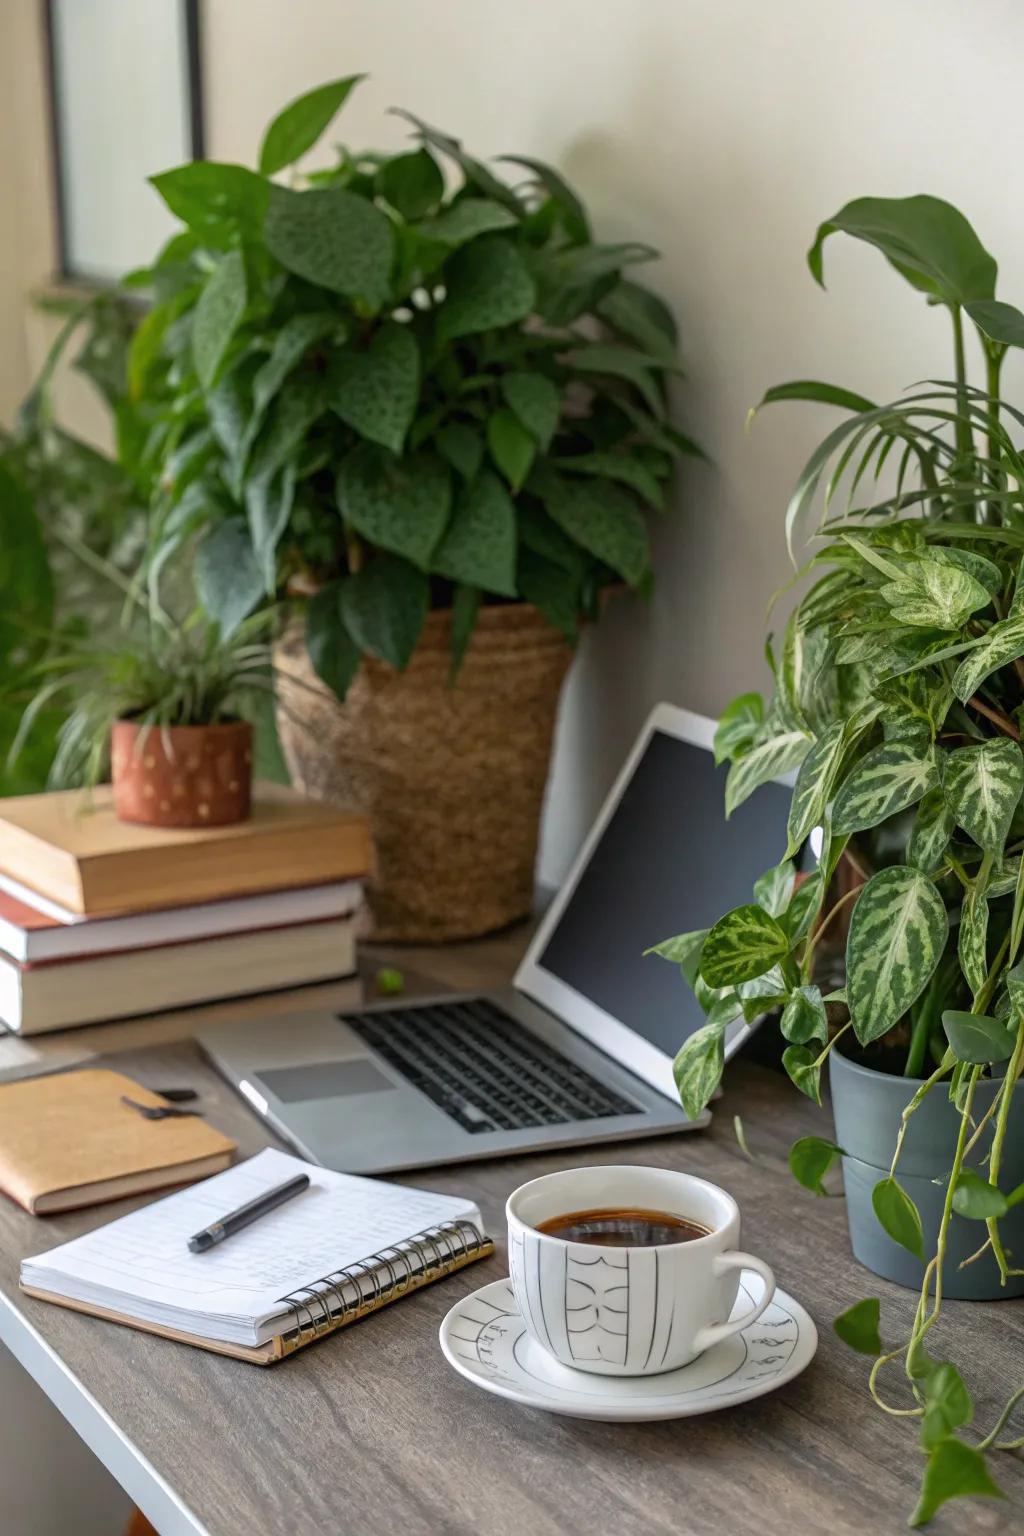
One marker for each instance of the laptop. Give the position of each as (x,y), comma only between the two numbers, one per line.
(579,1049)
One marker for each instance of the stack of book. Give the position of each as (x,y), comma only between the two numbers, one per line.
(100,919)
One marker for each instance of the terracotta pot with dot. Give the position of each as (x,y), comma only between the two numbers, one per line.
(182,775)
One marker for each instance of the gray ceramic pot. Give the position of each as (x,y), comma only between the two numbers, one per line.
(867,1106)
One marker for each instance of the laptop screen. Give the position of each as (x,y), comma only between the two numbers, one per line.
(667,862)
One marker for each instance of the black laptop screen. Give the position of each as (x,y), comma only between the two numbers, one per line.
(667,862)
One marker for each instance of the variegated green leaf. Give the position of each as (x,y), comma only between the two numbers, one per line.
(814,784)
(982,786)
(698,1067)
(971,944)
(684,950)
(897,934)
(1003,643)
(742,944)
(762,993)
(931,832)
(738,726)
(803,908)
(983,570)
(803,1064)
(803,1018)
(769,759)
(887,780)
(934,595)
(774,889)
(1004,879)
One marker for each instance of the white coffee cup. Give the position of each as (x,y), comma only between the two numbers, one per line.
(628,1310)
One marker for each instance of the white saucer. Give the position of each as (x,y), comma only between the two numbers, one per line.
(484,1338)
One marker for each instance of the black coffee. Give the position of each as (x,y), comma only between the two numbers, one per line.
(623,1228)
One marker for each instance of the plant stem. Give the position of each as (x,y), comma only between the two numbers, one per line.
(1006,726)
(947,1207)
(1000,1425)
(925,1088)
(1013,1071)
(805,964)
(993,365)
(964,444)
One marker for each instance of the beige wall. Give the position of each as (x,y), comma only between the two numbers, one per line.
(721,131)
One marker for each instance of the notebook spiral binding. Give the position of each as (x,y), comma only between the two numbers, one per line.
(347,1294)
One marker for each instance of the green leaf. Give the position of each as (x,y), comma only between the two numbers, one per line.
(897,934)
(535,400)
(954,1470)
(928,241)
(774,889)
(803,1064)
(898,1216)
(228,577)
(465,606)
(810,1158)
(511,447)
(604,520)
(976,1198)
(479,545)
(217,316)
(803,908)
(741,945)
(770,759)
(982,786)
(885,781)
(376,391)
(934,595)
(617,466)
(804,1018)
(573,278)
(816,393)
(947,1404)
(333,652)
(814,784)
(762,993)
(211,197)
(297,128)
(384,606)
(292,342)
(466,219)
(1000,322)
(1003,644)
(552,589)
(698,1067)
(332,238)
(411,183)
(931,832)
(475,173)
(643,318)
(982,569)
(619,363)
(401,505)
(461,447)
(975,1037)
(737,727)
(268,505)
(684,951)
(487,285)
(858,1326)
(972,940)
(555,185)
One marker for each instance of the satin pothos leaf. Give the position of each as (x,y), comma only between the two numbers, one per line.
(743,944)
(774,889)
(931,832)
(698,1067)
(814,784)
(892,777)
(972,939)
(897,934)
(982,786)
(778,754)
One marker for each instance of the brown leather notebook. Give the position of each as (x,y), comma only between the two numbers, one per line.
(67,1140)
(71,848)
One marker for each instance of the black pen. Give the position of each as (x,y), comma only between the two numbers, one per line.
(217,1231)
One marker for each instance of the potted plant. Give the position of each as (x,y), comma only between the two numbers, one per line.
(898,702)
(162,707)
(430,410)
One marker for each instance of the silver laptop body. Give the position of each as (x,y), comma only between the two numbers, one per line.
(579,1048)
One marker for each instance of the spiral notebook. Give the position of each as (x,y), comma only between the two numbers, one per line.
(341,1249)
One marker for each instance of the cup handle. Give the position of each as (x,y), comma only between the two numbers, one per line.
(714,1333)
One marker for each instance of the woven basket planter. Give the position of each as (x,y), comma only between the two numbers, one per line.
(452,778)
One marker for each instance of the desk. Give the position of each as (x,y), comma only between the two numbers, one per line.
(372,1432)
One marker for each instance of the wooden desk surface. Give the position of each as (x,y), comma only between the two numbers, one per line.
(370,1431)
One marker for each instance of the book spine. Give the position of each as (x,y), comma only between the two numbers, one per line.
(348,1294)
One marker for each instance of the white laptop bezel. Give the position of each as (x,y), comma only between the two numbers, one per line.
(580,1013)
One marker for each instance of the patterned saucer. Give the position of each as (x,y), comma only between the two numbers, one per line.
(485,1339)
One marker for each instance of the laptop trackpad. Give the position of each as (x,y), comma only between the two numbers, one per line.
(324,1080)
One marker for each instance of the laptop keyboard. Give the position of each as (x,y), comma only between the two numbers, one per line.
(483,1068)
